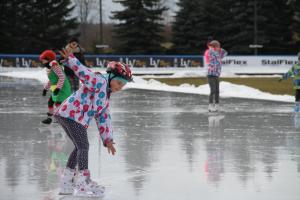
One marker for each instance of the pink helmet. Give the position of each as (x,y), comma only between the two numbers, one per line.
(119,69)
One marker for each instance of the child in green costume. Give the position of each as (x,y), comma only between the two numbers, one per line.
(58,83)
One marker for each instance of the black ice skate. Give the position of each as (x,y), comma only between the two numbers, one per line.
(47,121)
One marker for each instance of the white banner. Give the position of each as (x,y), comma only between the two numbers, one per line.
(259,61)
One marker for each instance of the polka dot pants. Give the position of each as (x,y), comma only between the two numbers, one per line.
(78,134)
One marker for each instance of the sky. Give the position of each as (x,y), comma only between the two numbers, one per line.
(226,89)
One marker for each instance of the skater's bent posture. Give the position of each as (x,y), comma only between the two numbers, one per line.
(295,73)
(58,83)
(91,100)
(215,55)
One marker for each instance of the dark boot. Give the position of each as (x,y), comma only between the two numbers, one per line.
(47,121)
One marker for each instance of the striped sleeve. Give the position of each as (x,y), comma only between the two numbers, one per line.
(58,71)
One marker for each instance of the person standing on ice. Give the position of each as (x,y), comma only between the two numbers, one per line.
(294,72)
(57,83)
(91,100)
(215,56)
(78,52)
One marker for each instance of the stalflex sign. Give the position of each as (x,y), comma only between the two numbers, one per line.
(157,61)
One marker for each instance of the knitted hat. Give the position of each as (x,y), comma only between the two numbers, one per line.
(74,39)
(48,55)
(215,43)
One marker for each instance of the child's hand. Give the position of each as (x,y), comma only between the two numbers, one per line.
(56,91)
(110,147)
(65,53)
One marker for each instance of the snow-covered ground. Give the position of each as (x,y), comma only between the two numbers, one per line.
(226,89)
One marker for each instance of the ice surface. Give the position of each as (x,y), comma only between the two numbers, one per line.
(168,147)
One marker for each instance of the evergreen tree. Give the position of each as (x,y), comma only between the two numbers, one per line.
(295,24)
(189,30)
(52,29)
(32,26)
(221,23)
(276,28)
(196,21)
(266,23)
(10,23)
(237,24)
(139,29)
(241,33)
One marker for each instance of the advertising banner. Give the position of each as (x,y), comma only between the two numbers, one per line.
(139,61)
(156,61)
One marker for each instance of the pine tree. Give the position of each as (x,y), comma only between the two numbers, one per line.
(190,27)
(276,28)
(32,26)
(196,21)
(266,23)
(221,23)
(139,26)
(241,33)
(10,23)
(237,24)
(295,24)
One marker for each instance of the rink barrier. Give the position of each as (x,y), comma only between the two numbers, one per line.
(157,61)
(138,61)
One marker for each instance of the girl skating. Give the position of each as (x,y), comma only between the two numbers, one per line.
(91,100)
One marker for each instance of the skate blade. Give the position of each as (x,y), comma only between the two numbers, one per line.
(65,193)
(89,195)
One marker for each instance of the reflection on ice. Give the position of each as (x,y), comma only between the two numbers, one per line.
(168,147)
(297,120)
(214,164)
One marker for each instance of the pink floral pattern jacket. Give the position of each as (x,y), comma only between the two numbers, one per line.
(90,101)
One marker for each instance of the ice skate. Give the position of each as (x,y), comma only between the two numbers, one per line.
(211,107)
(67,182)
(85,187)
(48,120)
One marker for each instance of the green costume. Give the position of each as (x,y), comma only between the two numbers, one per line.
(64,92)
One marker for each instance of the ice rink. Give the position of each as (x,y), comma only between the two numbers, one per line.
(168,147)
